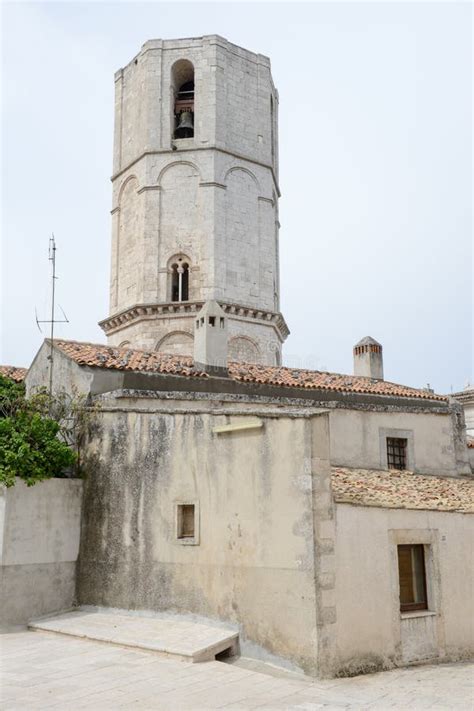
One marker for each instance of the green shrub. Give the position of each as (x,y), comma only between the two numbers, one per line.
(40,437)
(31,450)
(12,396)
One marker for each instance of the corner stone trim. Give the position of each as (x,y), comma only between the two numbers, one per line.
(142,312)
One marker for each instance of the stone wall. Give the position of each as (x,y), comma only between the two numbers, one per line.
(250,340)
(39,544)
(211,199)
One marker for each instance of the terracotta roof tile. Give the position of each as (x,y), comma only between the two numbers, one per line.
(103,356)
(16,374)
(470,442)
(402,490)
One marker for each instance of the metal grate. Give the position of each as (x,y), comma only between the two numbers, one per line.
(396,453)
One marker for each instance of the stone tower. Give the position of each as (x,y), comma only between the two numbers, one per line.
(195,198)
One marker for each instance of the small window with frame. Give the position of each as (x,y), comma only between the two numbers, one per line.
(187,523)
(397,452)
(412,577)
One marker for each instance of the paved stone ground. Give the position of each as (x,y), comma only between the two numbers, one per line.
(40,670)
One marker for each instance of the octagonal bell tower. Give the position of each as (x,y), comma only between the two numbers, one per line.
(195,198)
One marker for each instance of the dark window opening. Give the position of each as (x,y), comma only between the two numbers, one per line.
(186,526)
(184,111)
(396,453)
(180,281)
(412,578)
(212,320)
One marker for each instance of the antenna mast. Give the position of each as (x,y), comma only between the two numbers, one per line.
(52,259)
(52,320)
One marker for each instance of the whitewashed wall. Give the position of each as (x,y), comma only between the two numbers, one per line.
(370,631)
(39,544)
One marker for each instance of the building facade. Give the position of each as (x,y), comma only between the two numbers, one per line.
(287,503)
(328,517)
(195,198)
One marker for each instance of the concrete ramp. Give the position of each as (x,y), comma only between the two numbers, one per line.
(170,636)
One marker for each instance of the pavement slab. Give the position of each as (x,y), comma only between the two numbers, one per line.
(171,636)
(40,670)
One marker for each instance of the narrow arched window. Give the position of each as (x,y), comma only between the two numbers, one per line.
(183,82)
(180,281)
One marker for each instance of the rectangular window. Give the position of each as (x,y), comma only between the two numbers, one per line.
(186,521)
(412,578)
(397,452)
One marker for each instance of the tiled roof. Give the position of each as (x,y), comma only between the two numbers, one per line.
(402,490)
(102,356)
(470,442)
(16,374)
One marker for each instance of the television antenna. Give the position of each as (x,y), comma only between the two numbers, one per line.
(52,320)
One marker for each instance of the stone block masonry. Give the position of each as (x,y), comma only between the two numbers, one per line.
(209,200)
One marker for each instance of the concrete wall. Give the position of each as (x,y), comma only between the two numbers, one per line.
(370,632)
(358,439)
(39,535)
(253,562)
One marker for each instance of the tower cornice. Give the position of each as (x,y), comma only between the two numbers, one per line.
(177,309)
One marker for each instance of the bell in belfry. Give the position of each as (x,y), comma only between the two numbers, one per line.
(185,128)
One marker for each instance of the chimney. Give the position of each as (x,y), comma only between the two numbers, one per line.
(210,340)
(368,358)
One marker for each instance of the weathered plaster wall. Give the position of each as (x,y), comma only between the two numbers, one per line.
(358,439)
(66,373)
(40,527)
(370,632)
(254,563)
(68,376)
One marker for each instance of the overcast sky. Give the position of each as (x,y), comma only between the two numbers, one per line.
(375,170)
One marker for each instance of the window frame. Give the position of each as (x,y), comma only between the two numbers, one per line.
(186,514)
(409,435)
(179,281)
(193,540)
(397,451)
(413,606)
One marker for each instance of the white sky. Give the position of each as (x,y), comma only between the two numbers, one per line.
(375,170)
